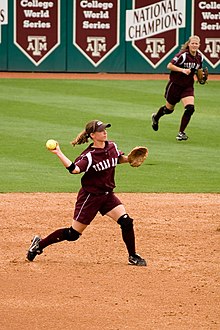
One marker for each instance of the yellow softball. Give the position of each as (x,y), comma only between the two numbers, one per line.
(51,144)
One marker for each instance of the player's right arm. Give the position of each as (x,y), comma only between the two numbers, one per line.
(174,67)
(65,160)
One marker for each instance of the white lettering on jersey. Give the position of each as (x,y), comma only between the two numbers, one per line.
(104,164)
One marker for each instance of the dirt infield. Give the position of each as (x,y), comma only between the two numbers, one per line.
(88,284)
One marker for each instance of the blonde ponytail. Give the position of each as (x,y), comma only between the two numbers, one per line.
(80,139)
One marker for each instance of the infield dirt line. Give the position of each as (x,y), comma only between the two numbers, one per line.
(95,76)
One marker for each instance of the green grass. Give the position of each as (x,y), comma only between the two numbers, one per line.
(32,111)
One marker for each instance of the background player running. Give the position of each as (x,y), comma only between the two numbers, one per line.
(98,162)
(181,84)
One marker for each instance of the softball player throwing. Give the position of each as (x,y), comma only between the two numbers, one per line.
(98,162)
(181,84)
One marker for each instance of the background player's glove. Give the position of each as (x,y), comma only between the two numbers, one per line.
(202,75)
(137,156)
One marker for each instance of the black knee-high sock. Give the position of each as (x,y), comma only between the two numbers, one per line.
(55,237)
(161,112)
(129,239)
(127,229)
(184,122)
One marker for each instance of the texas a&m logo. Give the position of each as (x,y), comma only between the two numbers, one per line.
(96,46)
(212,50)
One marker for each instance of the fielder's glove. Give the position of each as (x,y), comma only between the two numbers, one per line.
(202,75)
(137,156)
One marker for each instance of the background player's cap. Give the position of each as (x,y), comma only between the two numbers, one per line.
(96,126)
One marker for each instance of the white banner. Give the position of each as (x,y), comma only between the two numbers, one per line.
(159,17)
(3,12)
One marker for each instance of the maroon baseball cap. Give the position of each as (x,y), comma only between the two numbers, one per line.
(96,126)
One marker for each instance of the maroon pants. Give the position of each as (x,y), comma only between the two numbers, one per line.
(174,93)
(88,205)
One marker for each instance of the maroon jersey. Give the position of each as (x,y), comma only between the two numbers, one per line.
(99,167)
(186,61)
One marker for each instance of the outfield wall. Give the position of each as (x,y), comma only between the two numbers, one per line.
(120,36)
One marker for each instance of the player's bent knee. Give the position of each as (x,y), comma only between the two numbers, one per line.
(189,109)
(71,234)
(125,222)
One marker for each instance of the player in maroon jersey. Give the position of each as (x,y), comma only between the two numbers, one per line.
(98,162)
(180,86)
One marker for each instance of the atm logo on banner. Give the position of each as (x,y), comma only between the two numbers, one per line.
(96,28)
(37,28)
(154,29)
(206,24)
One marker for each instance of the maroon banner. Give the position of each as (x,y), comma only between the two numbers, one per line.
(206,24)
(155,49)
(37,28)
(96,28)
